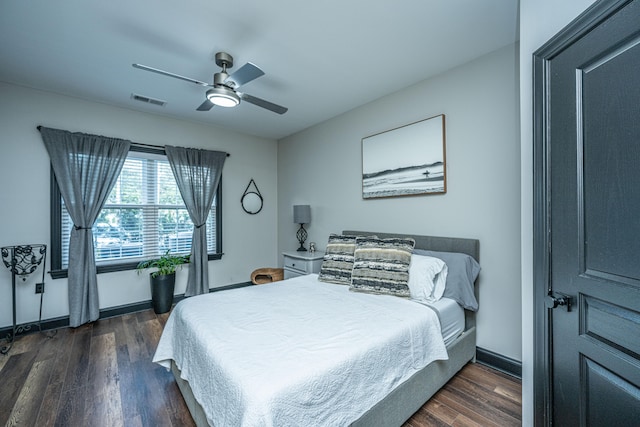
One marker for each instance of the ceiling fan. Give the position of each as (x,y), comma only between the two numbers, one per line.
(223,90)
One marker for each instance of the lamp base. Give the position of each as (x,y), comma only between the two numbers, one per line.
(302,236)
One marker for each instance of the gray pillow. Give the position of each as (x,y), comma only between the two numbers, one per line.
(381,266)
(463,271)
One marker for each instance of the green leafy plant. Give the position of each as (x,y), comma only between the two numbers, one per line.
(166,264)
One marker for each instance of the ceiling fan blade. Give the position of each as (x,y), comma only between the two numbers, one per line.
(244,74)
(205,106)
(262,103)
(166,73)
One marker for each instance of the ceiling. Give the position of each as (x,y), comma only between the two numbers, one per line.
(320,58)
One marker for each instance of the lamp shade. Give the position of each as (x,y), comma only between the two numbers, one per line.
(301,214)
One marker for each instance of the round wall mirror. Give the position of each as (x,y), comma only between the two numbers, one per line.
(251,202)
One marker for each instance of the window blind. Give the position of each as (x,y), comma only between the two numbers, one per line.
(143,217)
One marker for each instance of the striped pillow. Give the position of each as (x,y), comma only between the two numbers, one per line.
(338,260)
(381,266)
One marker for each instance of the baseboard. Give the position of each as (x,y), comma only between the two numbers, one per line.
(497,361)
(233,286)
(63,321)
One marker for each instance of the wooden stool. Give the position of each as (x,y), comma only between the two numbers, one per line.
(267,275)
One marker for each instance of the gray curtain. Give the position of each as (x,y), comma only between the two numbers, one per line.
(197,174)
(86,168)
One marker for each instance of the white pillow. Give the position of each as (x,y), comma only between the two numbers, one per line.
(427,278)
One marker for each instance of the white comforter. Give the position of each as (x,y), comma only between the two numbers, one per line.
(298,352)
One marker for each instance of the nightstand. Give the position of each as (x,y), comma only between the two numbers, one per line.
(300,263)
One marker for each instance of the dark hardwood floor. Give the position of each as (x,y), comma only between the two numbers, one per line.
(102,375)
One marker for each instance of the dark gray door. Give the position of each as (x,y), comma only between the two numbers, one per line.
(588,183)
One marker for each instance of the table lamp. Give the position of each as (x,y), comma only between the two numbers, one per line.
(302,216)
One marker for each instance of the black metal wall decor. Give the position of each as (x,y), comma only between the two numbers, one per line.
(251,200)
(23,260)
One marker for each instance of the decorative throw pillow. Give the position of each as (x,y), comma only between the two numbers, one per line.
(338,260)
(381,266)
(427,278)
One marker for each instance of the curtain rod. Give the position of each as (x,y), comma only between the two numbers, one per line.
(138,144)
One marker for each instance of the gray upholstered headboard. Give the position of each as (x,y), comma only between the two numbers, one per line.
(442,244)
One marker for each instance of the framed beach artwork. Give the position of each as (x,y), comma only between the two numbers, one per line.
(405,161)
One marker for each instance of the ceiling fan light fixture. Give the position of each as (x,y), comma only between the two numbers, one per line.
(223,97)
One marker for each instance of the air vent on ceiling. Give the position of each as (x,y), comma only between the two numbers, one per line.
(148,100)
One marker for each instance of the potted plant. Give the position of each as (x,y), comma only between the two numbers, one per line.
(163,279)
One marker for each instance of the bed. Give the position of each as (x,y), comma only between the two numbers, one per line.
(389,403)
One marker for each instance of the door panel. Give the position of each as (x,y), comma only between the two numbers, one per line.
(590,128)
(622,403)
(609,325)
(611,182)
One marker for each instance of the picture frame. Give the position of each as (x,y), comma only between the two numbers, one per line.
(406,161)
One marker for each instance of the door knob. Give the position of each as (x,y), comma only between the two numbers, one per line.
(551,301)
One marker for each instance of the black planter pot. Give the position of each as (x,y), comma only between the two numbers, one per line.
(162,292)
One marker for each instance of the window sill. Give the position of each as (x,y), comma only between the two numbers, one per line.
(111,268)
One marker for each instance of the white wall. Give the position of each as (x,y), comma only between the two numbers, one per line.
(321,166)
(539,21)
(249,241)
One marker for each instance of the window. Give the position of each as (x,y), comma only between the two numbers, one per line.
(143,217)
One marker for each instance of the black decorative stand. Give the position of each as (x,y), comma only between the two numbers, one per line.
(301,235)
(23,260)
